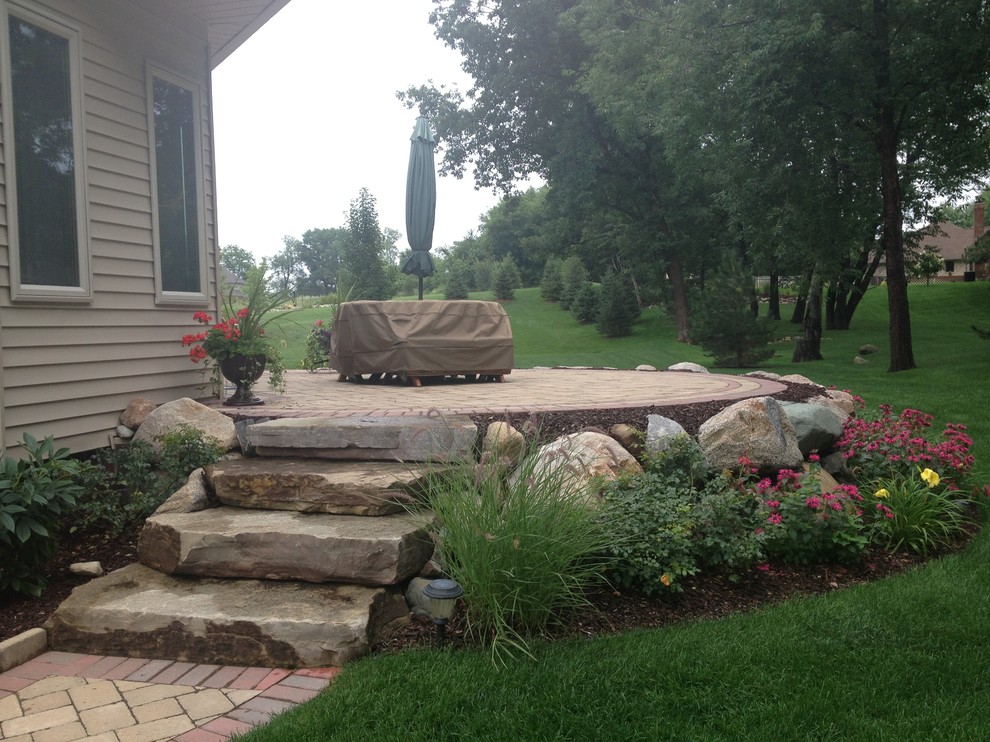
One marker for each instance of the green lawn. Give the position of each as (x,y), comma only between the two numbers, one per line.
(906,658)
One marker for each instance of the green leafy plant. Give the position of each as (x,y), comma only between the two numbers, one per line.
(918,513)
(671,523)
(34,493)
(524,554)
(317,347)
(125,485)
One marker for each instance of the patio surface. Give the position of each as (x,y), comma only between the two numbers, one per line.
(65,696)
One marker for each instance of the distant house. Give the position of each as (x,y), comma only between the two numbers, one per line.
(107,205)
(951,242)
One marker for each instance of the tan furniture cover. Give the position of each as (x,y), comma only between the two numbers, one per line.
(421,338)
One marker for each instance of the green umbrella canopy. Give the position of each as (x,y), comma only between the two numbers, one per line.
(421,201)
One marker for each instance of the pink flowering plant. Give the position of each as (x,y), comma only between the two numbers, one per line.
(803,522)
(890,446)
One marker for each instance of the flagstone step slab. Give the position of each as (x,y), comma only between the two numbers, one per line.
(285,545)
(437,438)
(316,485)
(138,612)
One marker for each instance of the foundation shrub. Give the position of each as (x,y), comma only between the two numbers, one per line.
(125,485)
(35,493)
(524,554)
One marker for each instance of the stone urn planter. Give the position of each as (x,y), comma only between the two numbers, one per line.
(243,371)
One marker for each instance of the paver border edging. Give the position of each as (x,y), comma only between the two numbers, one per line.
(23,647)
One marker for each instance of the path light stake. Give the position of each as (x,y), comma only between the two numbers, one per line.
(443,594)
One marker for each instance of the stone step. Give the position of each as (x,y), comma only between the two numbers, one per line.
(437,438)
(285,545)
(316,485)
(139,612)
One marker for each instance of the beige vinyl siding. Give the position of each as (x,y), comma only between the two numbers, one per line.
(71,368)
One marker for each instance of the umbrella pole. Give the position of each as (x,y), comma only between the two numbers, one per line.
(421,288)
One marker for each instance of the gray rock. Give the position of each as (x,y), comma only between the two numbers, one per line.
(755,428)
(124,433)
(646,367)
(418,603)
(318,485)
(142,613)
(867,349)
(86,569)
(835,464)
(817,428)
(282,545)
(764,375)
(189,498)
(241,427)
(860,361)
(581,459)
(136,412)
(659,432)
(799,379)
(696,368)
(173,415)
(411,438)
(839,402)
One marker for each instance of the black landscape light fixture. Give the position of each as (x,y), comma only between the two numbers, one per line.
(443,594)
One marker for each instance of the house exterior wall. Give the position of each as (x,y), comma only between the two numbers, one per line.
(70,367)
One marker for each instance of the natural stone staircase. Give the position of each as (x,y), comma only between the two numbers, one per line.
(302,565)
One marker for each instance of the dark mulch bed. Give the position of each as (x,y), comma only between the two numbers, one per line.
(708,597)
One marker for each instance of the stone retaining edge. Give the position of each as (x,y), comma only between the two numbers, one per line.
(19,649)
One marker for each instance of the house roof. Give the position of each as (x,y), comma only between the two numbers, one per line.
(230,22)
(951,241)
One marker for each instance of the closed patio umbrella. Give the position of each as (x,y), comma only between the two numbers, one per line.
(421,202)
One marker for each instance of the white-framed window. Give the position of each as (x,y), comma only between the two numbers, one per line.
(178,211)
(44,163)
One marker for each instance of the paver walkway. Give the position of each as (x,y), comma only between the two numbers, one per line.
(61,696)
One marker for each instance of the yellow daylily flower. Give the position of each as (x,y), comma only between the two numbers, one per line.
(665,579)
(931,477)
(881,493)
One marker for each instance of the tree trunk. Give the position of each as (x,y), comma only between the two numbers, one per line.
(678,290)
(773,309)
(809,348)
(901,351)
(797,316)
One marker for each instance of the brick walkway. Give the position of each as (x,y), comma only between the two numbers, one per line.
(61,696)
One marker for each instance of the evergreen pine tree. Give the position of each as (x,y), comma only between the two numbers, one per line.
(456,286)
(506,279)
(615,314)
(552,283)
(574,276)
(586,304)
(724,325)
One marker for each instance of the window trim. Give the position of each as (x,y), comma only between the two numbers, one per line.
(71,32)
(152,71)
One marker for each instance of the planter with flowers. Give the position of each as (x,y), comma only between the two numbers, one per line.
(237,347)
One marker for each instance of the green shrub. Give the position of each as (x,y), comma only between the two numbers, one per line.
(34,493)
(524,554)
(317,347)
(484,275)
(586,304)
(917,513)
(669,523)
(127,484)
(456,286)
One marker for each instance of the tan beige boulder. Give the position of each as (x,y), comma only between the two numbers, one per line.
(171,416)
(583,461)
(137,410)
(755,428)
(191,497)
(501,439)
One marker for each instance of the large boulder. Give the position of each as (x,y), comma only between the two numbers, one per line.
(696,368)
(816,426)
(755,428)
(136,412)
(839,402)
(583,459)
(190,413)
(660,431)
(501,439)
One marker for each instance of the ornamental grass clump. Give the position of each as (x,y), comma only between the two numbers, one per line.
(918,513)
(524,554)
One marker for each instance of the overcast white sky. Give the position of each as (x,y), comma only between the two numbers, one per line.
(306,114)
